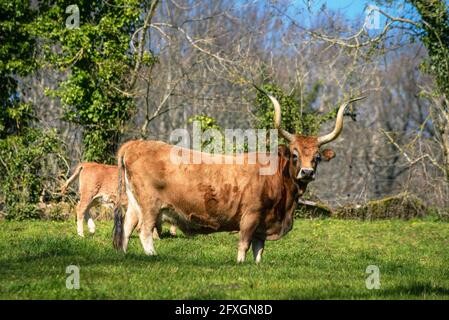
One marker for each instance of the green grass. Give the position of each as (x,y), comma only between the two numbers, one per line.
(318,259)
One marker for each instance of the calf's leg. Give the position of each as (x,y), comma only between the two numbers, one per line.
(173,230)
(81,210)
(157,231)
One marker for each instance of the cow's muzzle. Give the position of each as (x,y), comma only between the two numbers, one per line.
(306,174)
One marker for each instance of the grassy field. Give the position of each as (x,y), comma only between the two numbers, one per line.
(318,259)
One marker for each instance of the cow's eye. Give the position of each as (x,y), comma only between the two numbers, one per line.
(295,157)
(318,158)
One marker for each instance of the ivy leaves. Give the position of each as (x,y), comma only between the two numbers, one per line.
(99,60)
(301,119)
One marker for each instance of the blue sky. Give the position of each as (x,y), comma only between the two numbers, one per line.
(351,8)
(305,11)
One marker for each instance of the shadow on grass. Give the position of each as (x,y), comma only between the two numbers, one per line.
(414,290)
(419,289)
(51,250)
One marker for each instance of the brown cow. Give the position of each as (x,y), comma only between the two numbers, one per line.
(98,186)
(210,197)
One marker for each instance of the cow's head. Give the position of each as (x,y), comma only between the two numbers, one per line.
(305,152)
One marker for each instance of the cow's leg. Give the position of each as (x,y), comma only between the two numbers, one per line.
(83,207)
(257,245)
(131,221)
(248,225)
(150,213)
(146,238)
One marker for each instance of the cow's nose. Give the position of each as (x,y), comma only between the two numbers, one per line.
(306,173)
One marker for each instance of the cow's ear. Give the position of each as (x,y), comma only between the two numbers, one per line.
(327,154)
(284,157)
(284,151)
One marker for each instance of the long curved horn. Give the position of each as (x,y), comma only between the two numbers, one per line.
(338,123)
(277,119)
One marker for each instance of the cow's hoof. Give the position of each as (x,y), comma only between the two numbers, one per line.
(91,225)
(241,257)
(81,234)
(150,253)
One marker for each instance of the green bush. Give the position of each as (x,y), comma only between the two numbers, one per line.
(206,123)
(22,159)
(57,211)
(209,123)
(297,117)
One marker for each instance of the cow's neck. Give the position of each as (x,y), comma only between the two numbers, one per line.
(286,209)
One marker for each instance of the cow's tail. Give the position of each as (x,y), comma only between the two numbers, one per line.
(75,174)
(117,231)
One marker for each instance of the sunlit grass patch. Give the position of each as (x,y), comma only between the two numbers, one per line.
(318,259)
